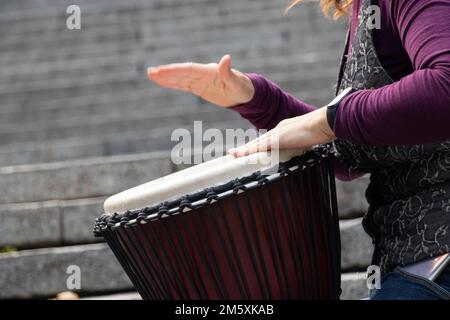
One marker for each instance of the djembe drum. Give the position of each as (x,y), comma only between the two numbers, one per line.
(231,228)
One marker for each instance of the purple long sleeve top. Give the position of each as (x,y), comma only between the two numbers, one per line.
(413,45)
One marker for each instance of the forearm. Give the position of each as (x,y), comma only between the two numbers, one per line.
(270,104)
(414,110)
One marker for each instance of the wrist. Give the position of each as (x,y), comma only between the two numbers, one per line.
(248,89)
(333,106)
(253,92)
(323,124)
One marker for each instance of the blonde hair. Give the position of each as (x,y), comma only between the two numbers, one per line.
(338,8)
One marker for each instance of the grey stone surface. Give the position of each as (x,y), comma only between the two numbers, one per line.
(40,82)
(353,286)
(43,272)
(104,125)
(49,223)
(80,179)
(68,95)
(78,219)
(100,145)
(76,226)
(30,225)
(116,296)
(351,197)
(71,222)
(356,245)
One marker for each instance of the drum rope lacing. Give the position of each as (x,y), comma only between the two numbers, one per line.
(171,258)
(208,195)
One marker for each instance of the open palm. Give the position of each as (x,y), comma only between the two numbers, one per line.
(217,83)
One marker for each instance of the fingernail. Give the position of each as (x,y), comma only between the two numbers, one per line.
(150,71)
(233,152)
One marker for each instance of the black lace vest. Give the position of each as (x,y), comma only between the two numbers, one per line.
(409,191)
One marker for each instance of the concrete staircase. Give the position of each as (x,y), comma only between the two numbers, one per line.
(79,121)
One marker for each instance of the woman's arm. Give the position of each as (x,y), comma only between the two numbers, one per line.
(270,104)
(415,109)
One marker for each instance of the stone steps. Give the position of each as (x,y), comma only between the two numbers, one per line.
(49,223)
(137,99)
(26,78)
(55,108)
(204,27)
(114,16)
(356,246)
(79,121)
(305,84)
(351,197)
(353,287)
(101,145)
(81,178)
(63,87)
(31,13)
(69,85)
(124,51)
(42,272)
(129,112)
(58,110)
(59,222)
(272,63)
(115,296)
(147,94)
(101,125)
(79,48)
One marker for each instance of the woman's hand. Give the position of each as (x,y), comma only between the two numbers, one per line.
(300,132)
(217,83)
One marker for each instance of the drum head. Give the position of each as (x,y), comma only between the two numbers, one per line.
(207,174)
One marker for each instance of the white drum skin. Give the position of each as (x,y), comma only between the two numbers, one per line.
(195,178)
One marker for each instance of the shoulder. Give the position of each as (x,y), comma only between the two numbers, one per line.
(401,14)
(398,9)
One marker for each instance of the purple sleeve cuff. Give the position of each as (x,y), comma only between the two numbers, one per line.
(270,104)
(254,105)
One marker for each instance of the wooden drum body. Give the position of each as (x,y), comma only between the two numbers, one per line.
(258,236)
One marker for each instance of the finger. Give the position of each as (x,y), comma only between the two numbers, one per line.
(168,73)
(171,82)
(152,72)
(185,69)
(177,83)
(225,68)
(267,142)
(176,86)
(247,150)
(258,145)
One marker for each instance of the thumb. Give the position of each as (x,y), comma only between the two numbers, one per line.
(225,72)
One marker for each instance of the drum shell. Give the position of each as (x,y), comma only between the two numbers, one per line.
(277,240)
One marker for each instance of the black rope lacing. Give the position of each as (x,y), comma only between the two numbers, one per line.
(211,194)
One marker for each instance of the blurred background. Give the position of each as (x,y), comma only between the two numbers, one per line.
(79,120)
